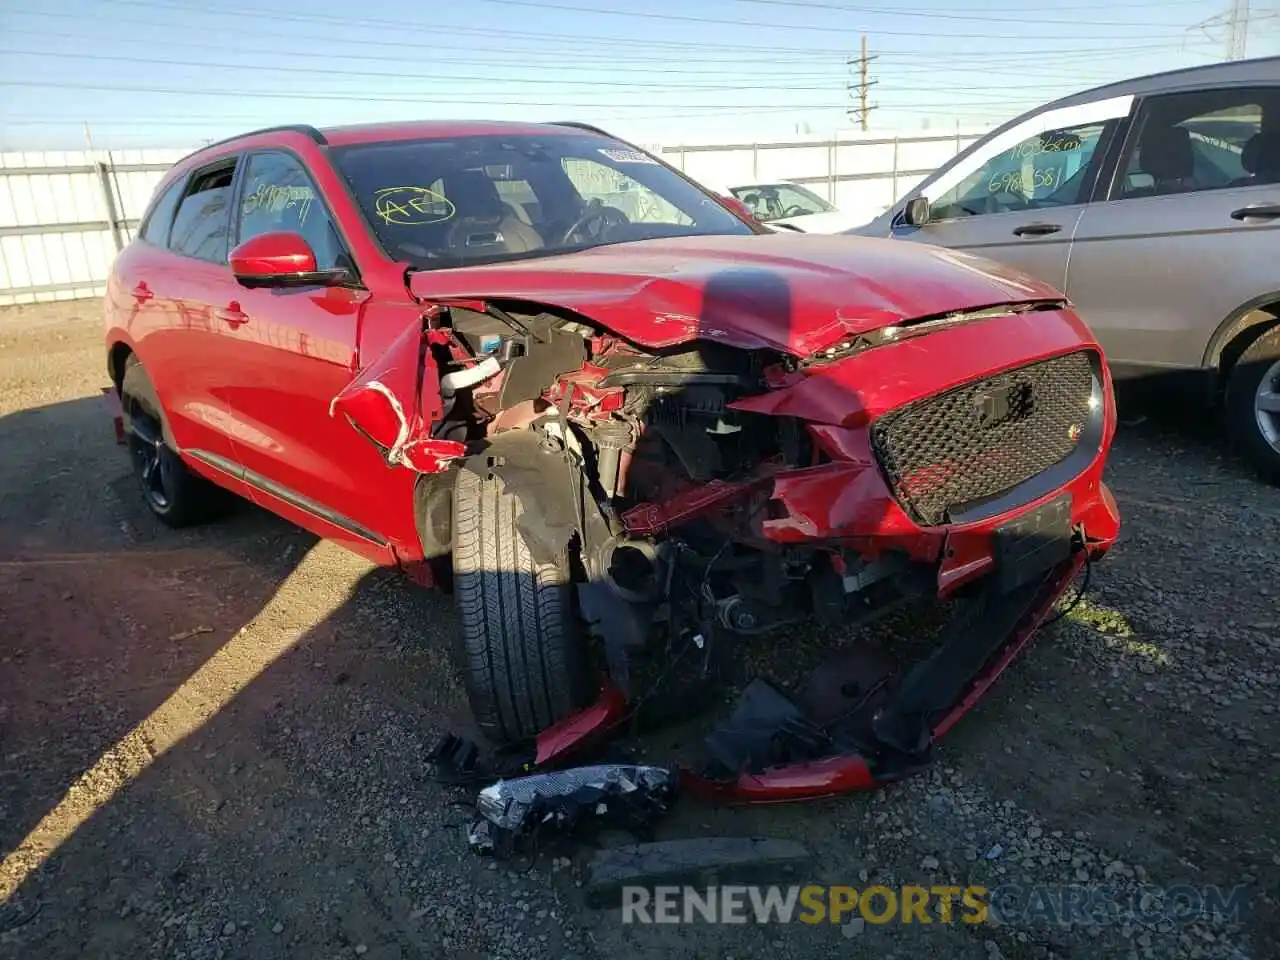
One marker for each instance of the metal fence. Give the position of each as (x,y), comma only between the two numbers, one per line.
(861,175)
(64,215)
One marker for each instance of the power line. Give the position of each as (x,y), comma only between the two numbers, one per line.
(934,15)
(835,71)
(773,25)
(276,14)
(233,121)
(995,95)
(353,97)
(390,43)
(753,69)
(861,88)
(371,97)
(545,40)
(398,74)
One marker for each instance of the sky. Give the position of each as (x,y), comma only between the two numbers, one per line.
(175,73)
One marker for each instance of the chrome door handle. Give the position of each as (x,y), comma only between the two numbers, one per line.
(1261,211)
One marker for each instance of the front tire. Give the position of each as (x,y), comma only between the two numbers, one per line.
(175,495)
(522,645)
(1253,404)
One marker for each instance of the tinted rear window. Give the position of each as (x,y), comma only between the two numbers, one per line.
(156,229)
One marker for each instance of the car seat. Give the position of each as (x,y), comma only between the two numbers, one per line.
(485,224)
(1165,153)
(1260,158)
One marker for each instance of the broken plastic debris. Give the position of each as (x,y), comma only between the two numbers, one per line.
(623,795)
(193,632)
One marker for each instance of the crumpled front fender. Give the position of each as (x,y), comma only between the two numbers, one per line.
(396,399)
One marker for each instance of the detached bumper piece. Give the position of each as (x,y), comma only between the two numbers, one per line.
(859,724)
(511,815)
(111,400)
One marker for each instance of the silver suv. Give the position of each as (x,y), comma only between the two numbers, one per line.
(1155,205)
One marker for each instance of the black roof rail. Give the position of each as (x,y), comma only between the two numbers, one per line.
(304,128)
(592,128)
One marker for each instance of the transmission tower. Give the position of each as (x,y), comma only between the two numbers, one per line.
(1234,27)
(1238,30)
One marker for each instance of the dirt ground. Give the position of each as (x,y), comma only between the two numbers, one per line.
(212,742)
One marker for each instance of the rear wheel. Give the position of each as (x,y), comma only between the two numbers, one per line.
(1253,404)
(172,492)
(522,646)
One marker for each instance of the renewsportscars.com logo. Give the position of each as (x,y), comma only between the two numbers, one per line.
(1009,904)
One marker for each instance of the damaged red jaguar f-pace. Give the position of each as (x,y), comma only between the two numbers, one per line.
(622,422)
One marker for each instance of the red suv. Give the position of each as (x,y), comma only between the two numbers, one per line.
(621,421)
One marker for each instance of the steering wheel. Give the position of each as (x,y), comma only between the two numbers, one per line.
(795,210)
(597,213)
(997,201)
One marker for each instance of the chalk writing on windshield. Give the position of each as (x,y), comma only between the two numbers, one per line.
(411,206)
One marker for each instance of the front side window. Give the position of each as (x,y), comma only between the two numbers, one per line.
(1206,140)
(279,196)
(203,221)
(1049,169)
(466,200)
(779,201)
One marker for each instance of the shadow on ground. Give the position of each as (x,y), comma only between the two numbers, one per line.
(257,788)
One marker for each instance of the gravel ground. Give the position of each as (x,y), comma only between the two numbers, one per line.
(212,742)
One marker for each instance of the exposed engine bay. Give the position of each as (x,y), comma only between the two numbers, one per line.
(670,483)
(702,491)
(675,479)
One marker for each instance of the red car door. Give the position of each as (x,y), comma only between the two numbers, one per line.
(177,279)
(296,348)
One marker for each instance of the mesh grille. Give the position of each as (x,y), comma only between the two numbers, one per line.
(976,441)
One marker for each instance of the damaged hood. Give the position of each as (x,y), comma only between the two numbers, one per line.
(794,293)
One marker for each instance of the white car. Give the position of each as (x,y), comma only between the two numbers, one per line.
(786,204)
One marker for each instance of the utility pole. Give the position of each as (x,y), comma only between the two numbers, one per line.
(859,90)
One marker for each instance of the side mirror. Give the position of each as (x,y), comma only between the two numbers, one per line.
(281,259)
(916,212)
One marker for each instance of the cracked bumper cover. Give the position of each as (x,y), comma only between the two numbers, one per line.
(848,499)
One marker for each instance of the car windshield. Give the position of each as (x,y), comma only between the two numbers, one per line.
(776,201)
(471,200)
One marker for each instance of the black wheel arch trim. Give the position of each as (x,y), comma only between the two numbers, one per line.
(1230,328)
(537,478)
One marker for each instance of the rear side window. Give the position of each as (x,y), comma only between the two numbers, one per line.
(156,230)
(203,222)
(1205,140)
